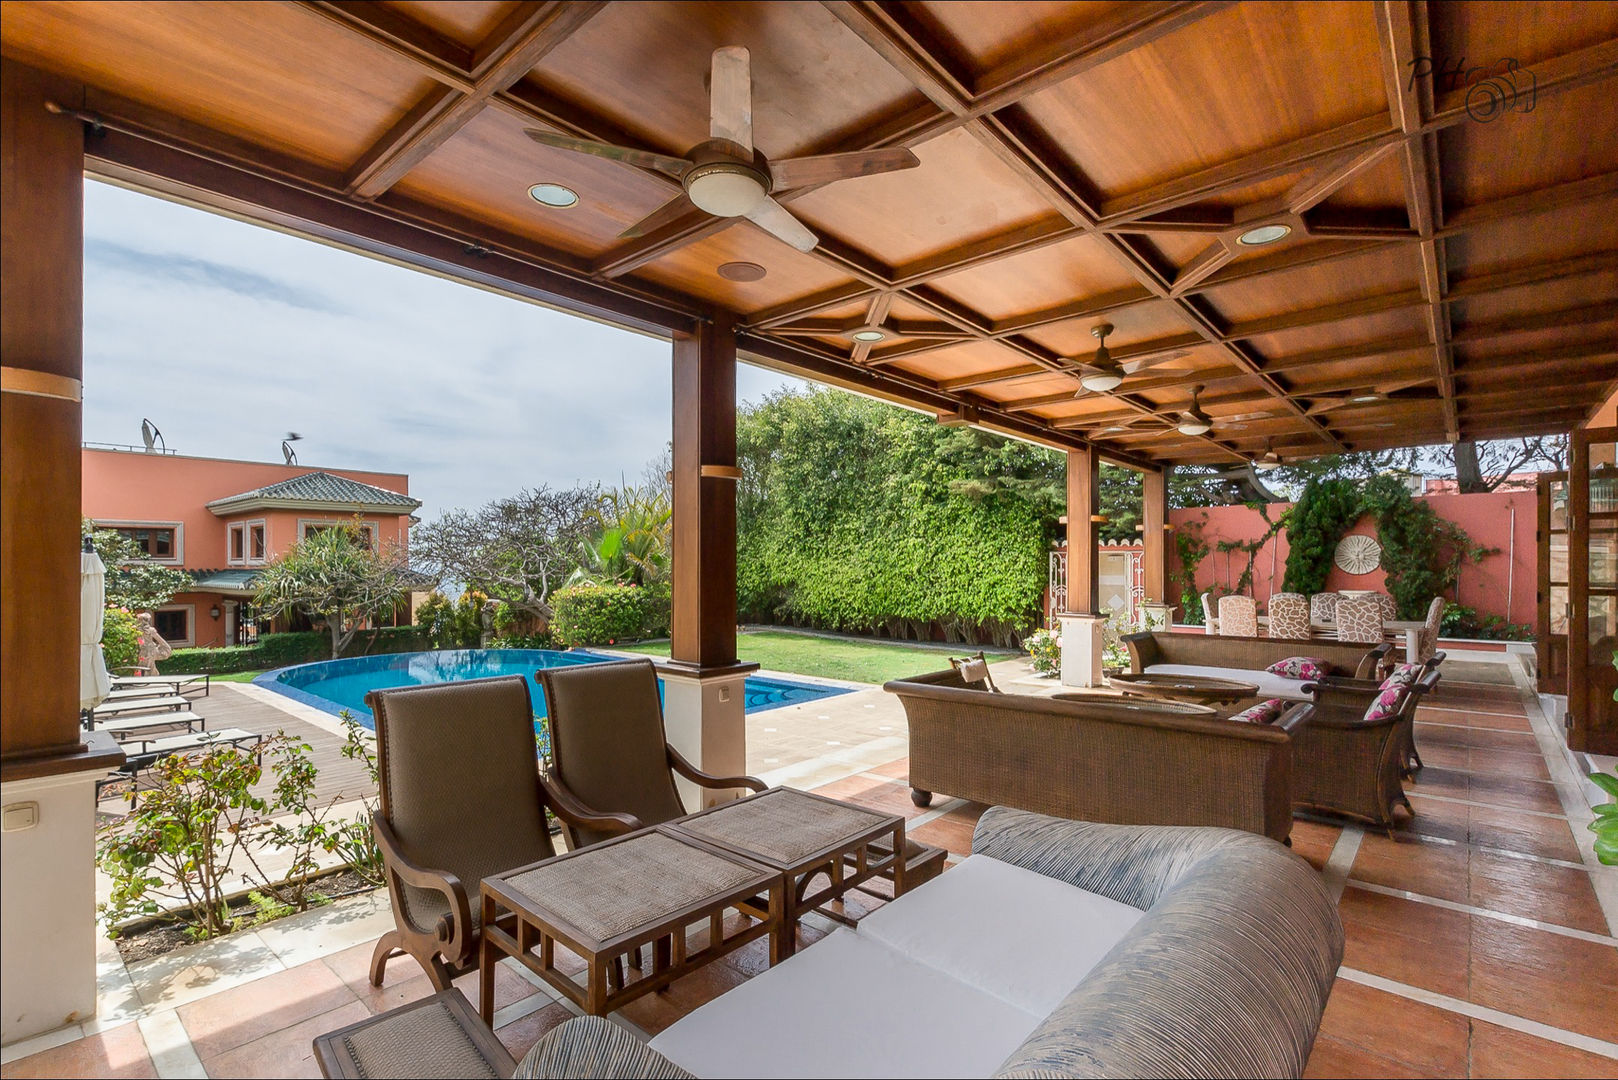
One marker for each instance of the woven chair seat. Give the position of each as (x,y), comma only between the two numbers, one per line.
(439,1036)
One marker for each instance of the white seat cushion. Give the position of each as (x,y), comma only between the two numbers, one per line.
(1021,936)
(1268,685)
(848,1006)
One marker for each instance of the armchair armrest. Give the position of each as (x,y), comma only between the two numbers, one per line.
(1294,718)
(1132,864)
(1371,663)
(566,805)
(454,928)
(591,1046)
(680,765)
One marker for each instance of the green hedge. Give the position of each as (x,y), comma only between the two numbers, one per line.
(284,650)
(120,640)
(608,614)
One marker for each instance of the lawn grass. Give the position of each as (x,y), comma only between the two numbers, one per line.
(830,658)
(238,676)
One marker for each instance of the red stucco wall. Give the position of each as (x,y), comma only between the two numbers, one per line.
(1503,520)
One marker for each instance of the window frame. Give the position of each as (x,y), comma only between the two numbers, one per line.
(190,612)
(244,529)
(177,558)
(321,524)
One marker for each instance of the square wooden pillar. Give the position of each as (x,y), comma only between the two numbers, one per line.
(1155,536)
(704,693)
(1083,626)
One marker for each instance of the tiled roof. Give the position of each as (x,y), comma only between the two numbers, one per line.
(323,487)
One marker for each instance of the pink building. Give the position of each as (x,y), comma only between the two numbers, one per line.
(221,520)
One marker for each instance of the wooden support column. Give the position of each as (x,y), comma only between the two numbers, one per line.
(1155,536)
(704,692)
(41,348)
(47,768)
(1083,504)
(1082,624)
(704,631)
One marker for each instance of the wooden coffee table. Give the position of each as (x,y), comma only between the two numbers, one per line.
(609,899)
(1192,689)
(801,835)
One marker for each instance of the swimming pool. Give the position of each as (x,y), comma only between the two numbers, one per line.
(335,685)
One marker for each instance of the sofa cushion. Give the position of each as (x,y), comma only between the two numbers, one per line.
(1268,685)
(1265,712)
(1386,704)
(1300,667)
(849,1006)
(966,924)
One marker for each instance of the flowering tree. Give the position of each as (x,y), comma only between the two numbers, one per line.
(335,575)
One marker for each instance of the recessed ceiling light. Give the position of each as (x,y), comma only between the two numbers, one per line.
(554,195)
(741,271)
(1264,234)
(871,334)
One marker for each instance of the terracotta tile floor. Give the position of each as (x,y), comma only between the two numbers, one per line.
(1476,943)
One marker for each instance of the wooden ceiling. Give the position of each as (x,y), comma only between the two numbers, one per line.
(1080,163)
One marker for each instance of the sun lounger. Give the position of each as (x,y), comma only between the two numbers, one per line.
(177,683)
(144,753)
(173,702)
(123,726)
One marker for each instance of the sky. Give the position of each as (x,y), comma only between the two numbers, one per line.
(228,336)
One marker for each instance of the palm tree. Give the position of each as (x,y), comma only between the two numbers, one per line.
(629,543)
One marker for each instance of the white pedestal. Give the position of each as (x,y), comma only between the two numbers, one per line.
(47,906)
(1158,616)
(706,720)
(1082,647)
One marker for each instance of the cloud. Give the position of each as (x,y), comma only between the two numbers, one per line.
(184,270)
(228,335)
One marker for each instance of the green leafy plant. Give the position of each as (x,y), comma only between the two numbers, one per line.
(630,538)
(281,650)
(356,839)
(1605,826)
(453,624)
(120,639)
(293,824)
(599,614)
(267,908)
(1190,546)
(1324,512)
(178,842)
(1045,649)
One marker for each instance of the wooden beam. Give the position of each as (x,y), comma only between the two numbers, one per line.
(704,514)
(509,53)
(1083,504)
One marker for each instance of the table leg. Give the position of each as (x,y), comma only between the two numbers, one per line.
(595,988)
(486,962)
(899,861)
(784,928)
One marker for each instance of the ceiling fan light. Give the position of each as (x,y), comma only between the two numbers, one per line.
(1267,463)
(1362,399)
(1101,381)
(725,190)
(872,334)
(1190,426)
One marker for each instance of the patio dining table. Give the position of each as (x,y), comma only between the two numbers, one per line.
(1393,629)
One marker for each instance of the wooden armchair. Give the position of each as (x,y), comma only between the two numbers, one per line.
(460,799)
(1348,764)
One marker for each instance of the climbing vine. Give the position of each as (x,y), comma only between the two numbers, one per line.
(1422,553)
(1251,548)
(1192,549)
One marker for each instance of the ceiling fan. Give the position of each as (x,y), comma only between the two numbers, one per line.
(1103,373)
(1196,421)
(726,175)
(1365,397)
(1269,461)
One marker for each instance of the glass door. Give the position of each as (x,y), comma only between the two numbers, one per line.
(1593,591)
(1550,638)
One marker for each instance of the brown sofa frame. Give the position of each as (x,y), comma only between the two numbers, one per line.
(1347,658)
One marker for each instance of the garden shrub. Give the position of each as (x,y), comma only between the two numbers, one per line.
(120,639)
(598,614)
(285,650)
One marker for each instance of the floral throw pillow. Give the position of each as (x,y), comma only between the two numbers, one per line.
(1401,675)
(1265,712)
(1386,704)
(1300,667)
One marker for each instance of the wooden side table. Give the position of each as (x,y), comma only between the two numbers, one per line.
(606,900)
(800,835)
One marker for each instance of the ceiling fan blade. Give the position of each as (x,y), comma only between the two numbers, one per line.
(731,102)
(774,219)
(646,159)
(1144,362)
(671,211)
(828,168)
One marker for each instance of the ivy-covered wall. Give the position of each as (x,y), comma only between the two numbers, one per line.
(856,516)
(1501,521)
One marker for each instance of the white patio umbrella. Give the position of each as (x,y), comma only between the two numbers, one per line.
(94,682)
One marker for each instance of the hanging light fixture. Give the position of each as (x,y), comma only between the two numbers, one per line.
(1194,421)
(1106,373)
(1270,461)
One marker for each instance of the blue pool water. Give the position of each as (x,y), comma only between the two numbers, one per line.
(335,685)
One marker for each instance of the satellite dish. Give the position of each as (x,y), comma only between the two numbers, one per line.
(286,447)
(151,436)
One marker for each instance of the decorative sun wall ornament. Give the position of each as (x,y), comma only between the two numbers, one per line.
(1358,553)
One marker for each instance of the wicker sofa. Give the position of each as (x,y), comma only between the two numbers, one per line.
(1245,658)
(1059,948)
(1106,760)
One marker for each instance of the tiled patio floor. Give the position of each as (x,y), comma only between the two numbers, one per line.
(1479,940)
